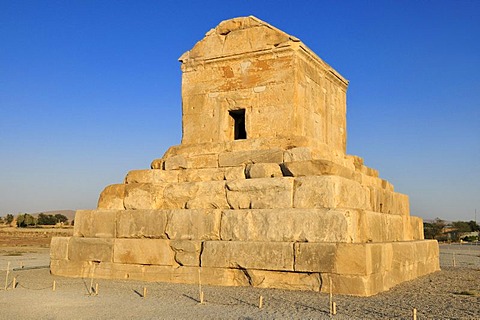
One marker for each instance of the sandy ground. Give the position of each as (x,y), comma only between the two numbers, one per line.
(453,293)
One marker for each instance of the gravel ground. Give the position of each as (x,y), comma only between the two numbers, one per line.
(453,293)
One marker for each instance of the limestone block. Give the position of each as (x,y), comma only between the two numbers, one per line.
(263,170)
(144,196)
(95,223)
(248,255)
(302,225)
(110,270)
(200,224)
(394,229)
(152,176)
(139,176)
(388,202)
(315,168)
(68,268)
(59,248)
(329,192)
(356,285)
(234,173)
(186,274)
(175,162)
(358,259)
(176,195)
(187,252)
(141,224)
(158,164)
(112,197)
(403,261)
(202,161)
(260,193)
(210,195)
(402,203)
(284,280)
(197,175)
(143,251)
(371,181)
(195,195)
(378,227)
(376,256)
(387,185)
(297,154)
(315,257)
(90,249)
(238,158)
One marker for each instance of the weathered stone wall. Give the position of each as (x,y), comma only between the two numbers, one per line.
(357,269)
(285,89)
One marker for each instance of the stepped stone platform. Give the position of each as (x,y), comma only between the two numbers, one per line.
(260,192)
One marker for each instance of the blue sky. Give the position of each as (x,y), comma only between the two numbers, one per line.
(91,89)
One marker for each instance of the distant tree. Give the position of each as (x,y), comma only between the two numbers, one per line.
(461,226)
(2,220)
(73,222)
(25,220)
(433,230)
(473,226)
(60,218)
(9,218)
(46,219)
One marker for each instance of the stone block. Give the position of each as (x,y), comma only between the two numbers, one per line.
(316,168)
(260,193)
(195,195)
(124,271)
(288,225)
(197,175)
(315,257)
(284,280)
(186,274)
(68,268)
(144,196)
(263,170)
(202,160)
(234,173)
(112,197)
(199,224)
(141,224)
(143,251)
(95,223)
(90,249)
(210,195)
(152,176)
(378,227)
(158,164)
(175,162)
(329,192)
(394,228)
(238,158)
(59,248)
(248,255)
(356,285)
(416,225)
(187,252)
(297,154)
(139,176)
(403,260)
(385,201)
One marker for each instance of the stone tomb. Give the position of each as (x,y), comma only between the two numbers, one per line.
(260,192)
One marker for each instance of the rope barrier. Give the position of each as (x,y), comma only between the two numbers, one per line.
(35,289)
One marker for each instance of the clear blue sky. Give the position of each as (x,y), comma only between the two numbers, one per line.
(91,89)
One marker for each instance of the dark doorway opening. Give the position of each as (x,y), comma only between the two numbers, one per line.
(238,117)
